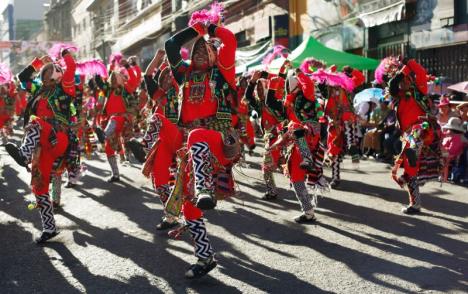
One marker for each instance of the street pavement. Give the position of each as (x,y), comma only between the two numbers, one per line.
(361,242)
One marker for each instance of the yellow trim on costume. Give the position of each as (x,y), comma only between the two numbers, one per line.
(226,67)
(68,84)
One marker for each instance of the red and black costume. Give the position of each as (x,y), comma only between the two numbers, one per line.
(270,122)
(241,119)
(420,156)
(341,122)
(116,118)
(304,151)
(7,110)
(205,116)
(162,138)
(73,163)
(47,133)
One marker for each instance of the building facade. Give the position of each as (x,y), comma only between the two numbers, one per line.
(82,30)
(58,20)
(20,22)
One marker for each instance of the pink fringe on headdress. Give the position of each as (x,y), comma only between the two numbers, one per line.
(278,50)
(214,15)
(333,79)
(91,67)
(184,52)
(385,67)
(309,63)
(115,58)
(56,50)
(5,74)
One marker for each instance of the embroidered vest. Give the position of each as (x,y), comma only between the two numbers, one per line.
(196,88)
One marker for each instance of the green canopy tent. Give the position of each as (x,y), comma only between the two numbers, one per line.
(313,48)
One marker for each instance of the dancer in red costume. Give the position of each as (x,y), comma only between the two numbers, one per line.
(7,109)
(241,119)
(163,137)
(205,115)
(420,156)
(73,163)
(302,139)
(336,88)
(270,122)
(47,121)
(119,93)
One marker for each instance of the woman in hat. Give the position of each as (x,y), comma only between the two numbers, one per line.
(453,145)
(445,112)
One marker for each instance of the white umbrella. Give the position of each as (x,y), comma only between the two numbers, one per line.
(368,95)
(460,87)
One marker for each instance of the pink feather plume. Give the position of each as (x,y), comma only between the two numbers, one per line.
(56,50)
(5,74)
(309,63)
(115,58)
(278,50)
(214,15)
(386,66)
(333,79)
(91,67)
(184,52)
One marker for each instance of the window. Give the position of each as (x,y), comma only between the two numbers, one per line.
(242,39)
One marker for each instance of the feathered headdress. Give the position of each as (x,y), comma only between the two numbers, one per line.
(56,50)
(278,50)
(91,67)
(5,74)
(387,67)
(214,15)
(309,63)
(115,58)
(333,79)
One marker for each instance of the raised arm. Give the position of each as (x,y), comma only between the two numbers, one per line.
(175,43)
(420,73)
(26,75)
(68,79)
(275,105)
(226,53)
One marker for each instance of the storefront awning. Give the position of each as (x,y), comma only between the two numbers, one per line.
(380,12)
(252,55)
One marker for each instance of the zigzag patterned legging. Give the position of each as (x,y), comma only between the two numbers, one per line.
(47,215)
(335,165)
(197,230)
(201,159)
(30,141)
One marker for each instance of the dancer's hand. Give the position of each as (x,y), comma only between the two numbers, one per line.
(46,59)
(255,76)
(160,53)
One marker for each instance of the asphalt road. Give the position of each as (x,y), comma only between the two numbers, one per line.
(360,244)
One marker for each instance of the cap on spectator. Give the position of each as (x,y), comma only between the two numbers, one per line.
(455,124)
(444,101)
